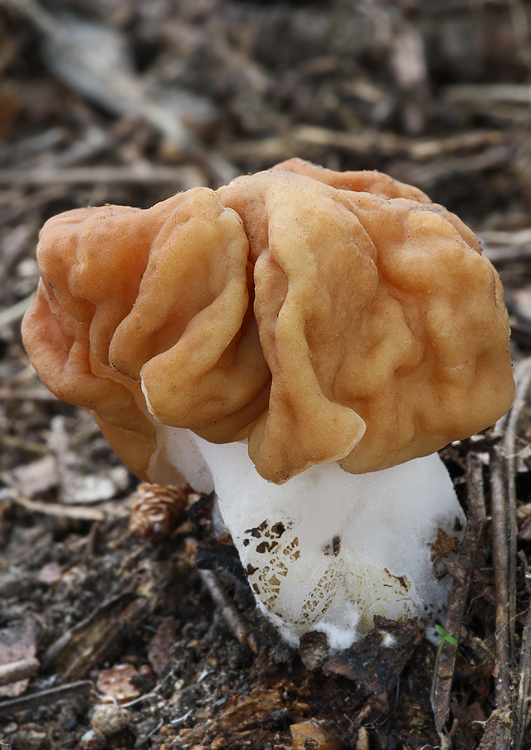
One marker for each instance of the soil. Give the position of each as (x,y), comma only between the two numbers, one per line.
(151,640)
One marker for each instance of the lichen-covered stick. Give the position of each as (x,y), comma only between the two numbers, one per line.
(304,341)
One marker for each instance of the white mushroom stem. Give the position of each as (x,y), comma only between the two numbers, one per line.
(328,550)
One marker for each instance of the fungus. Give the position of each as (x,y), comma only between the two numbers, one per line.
(304,341)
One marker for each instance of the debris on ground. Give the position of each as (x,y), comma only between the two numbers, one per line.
(144,636)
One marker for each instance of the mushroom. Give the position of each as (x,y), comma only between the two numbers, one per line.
(303,341)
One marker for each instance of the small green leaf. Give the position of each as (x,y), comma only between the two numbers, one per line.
(444,637)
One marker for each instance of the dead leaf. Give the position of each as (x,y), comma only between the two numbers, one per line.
(17,643)
(375,662)
(313,650)
(524,532)
(160,646)
(50,573)
(115,684)
(34,478)
(95,488)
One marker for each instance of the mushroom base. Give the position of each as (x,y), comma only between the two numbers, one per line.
(329,550)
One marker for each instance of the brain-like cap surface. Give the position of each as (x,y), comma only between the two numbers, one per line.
(323,316)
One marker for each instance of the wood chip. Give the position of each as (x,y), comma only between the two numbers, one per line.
(310,734)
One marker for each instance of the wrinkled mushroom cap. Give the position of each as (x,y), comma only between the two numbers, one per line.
(323,316)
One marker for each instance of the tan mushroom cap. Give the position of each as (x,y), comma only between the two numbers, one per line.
(324,316)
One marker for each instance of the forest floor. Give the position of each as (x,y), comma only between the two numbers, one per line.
(125,642)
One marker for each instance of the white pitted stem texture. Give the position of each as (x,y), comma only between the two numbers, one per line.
(328,550)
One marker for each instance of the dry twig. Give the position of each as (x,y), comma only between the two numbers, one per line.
(18,670)
(92,641)
(228,610)
(28,394)
(462,573)
(483,94)
(505,560)
(505,588)
(426,175)
(509,425)
(77,512)
(46,697)
(508,718)
(141,174)
(522,716)
(381,143)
